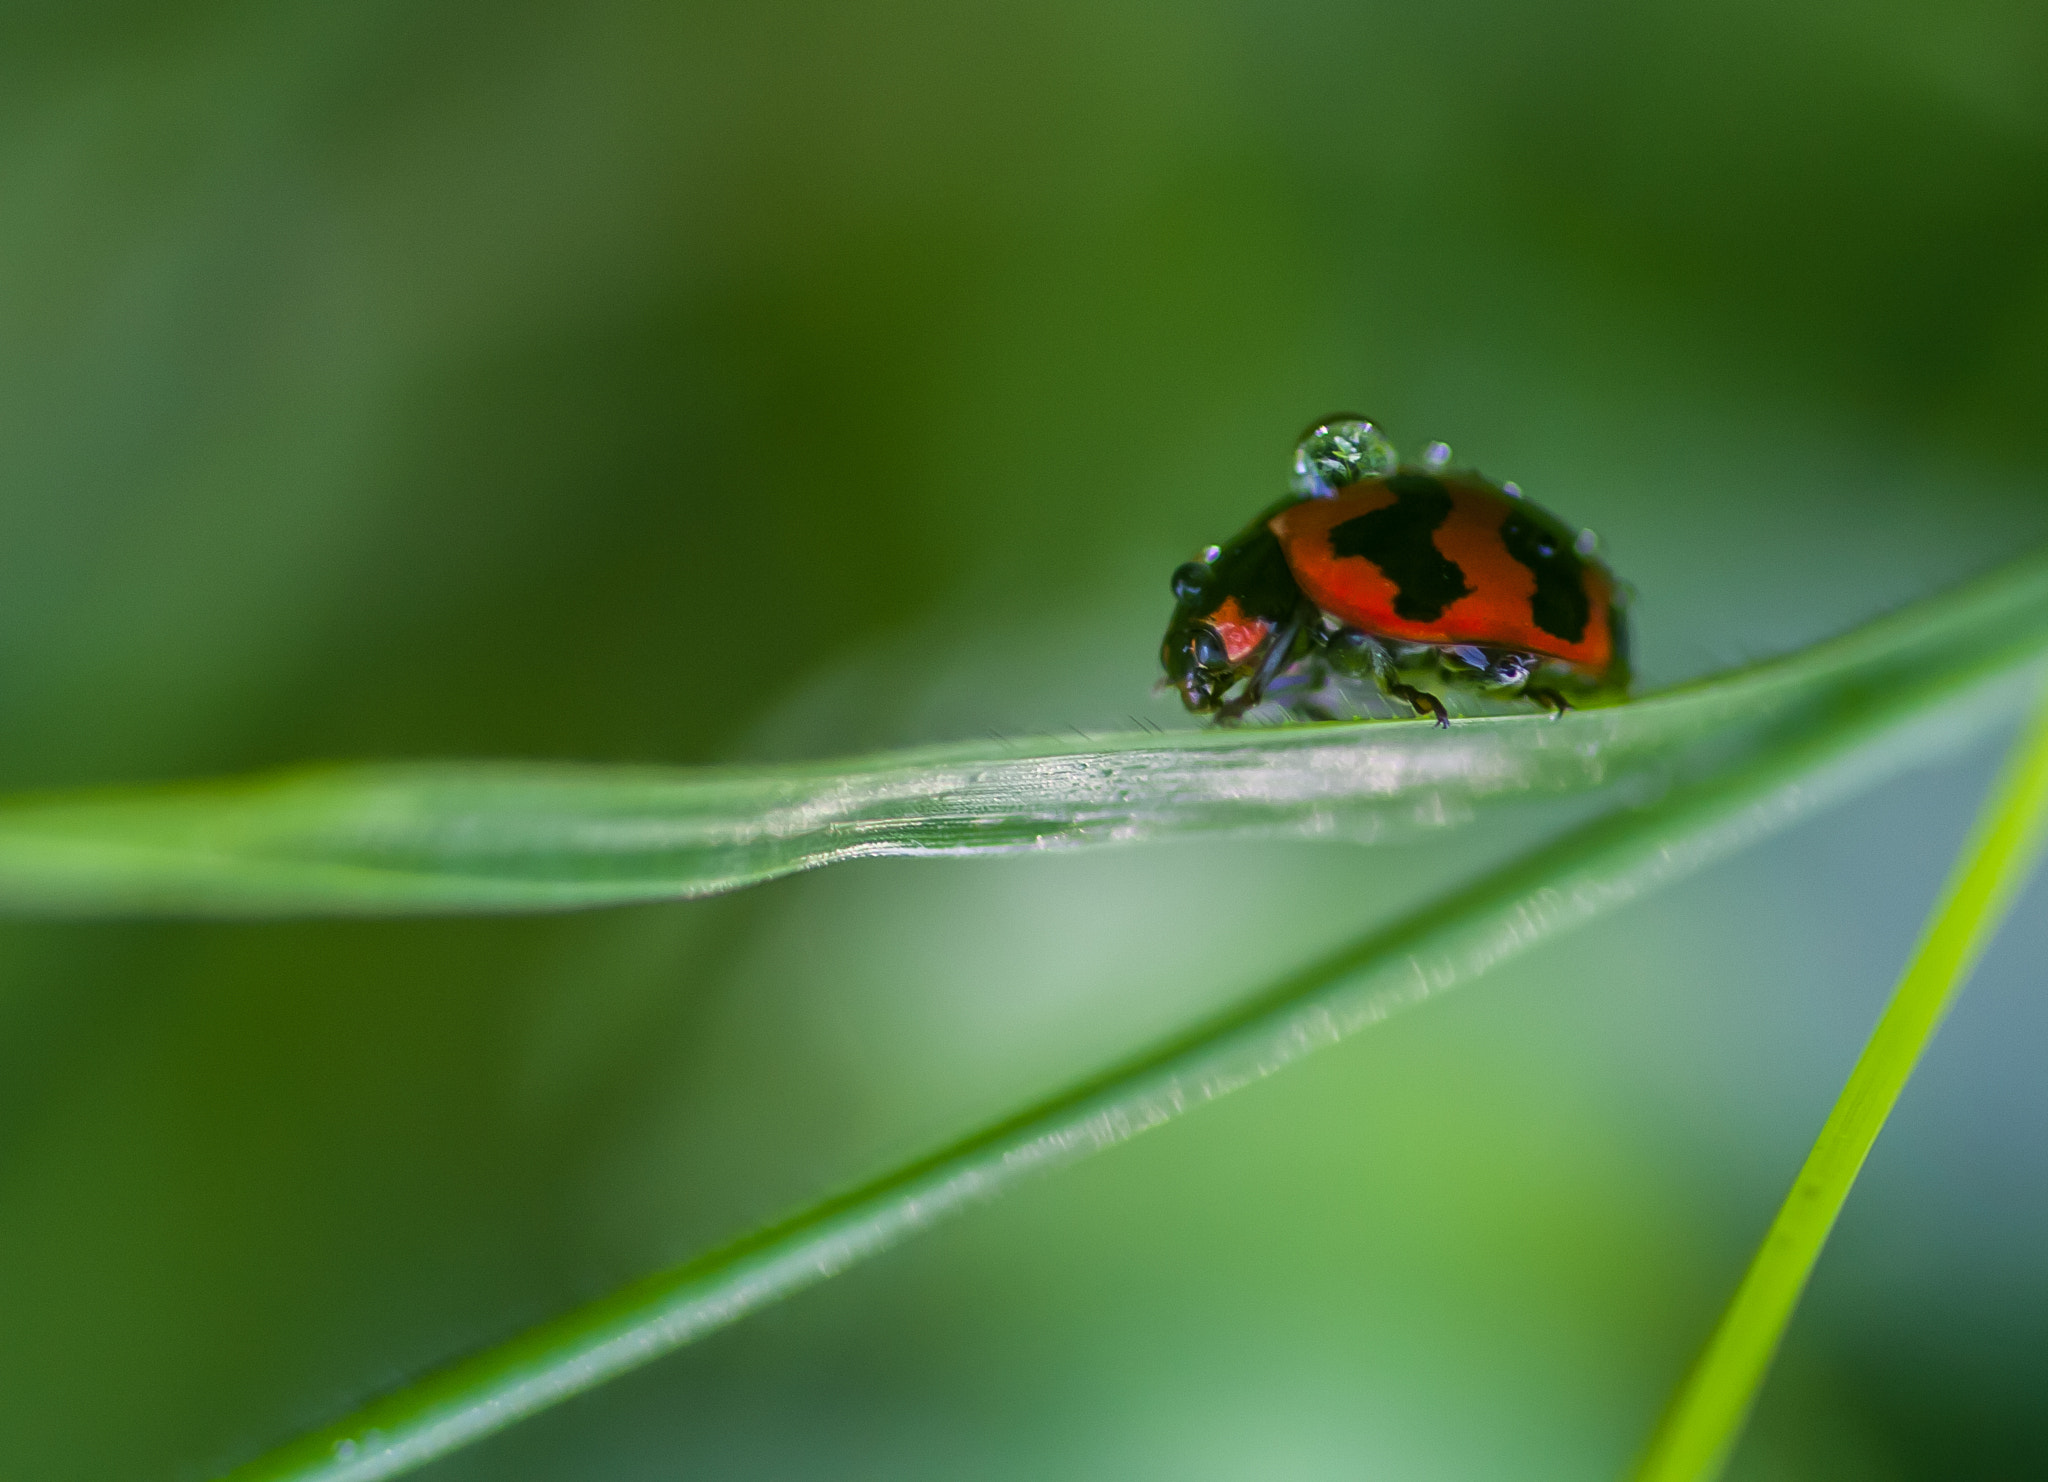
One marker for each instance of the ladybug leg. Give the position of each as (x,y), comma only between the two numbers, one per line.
(1355,652)
(1550,699)
(1424,703)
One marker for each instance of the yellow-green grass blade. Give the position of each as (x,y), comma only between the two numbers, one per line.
(477,837)
(1598,868)
(1706,1416)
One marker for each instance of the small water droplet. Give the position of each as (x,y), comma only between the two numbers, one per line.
(1587,543)
(1338,451)
(1436,455)
(1512,489)
(1211,552)
(345,1448)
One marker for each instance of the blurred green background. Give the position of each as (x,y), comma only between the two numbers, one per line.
(706,382)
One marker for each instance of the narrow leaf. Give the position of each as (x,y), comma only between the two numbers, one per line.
(1589,872)
(1708,1413)
(515,837)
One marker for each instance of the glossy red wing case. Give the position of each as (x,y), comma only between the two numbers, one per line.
(1447,559)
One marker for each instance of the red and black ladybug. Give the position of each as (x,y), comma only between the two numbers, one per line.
(1379,570)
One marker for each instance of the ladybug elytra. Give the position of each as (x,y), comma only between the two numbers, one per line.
(1401,575)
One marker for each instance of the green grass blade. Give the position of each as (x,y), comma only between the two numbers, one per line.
(1699,1431)
(511,837)
(1591,871)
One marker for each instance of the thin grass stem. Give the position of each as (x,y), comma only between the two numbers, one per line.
(1707,1414)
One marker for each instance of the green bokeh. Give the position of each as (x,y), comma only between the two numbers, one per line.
(691,383)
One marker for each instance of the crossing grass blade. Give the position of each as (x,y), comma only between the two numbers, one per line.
(481,837)
(1707,1415)
(1596,869)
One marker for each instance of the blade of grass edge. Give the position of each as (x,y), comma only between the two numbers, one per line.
(462,837)
(1707,1414)
(1563,884)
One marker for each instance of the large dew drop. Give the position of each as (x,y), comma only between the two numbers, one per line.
(1337,451)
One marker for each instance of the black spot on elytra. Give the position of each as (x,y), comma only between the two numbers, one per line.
(1396,538)
(1559,606)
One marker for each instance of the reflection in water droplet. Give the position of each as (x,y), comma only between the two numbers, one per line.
(1337,451)
(1512,489)
(1587,543)
(1436,455)
(1211,552)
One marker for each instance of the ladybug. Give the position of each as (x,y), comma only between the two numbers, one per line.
(1398,574)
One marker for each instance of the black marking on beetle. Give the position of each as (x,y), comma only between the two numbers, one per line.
(1558,606)
(1253,569)
(1396,538)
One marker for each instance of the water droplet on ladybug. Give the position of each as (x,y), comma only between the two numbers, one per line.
(1211,552)
(1512,489)
(1338,451)
(1187,580)
(1436,455)
(1587,543)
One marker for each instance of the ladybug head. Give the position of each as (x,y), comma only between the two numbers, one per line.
(1196,658)
(1227,607)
